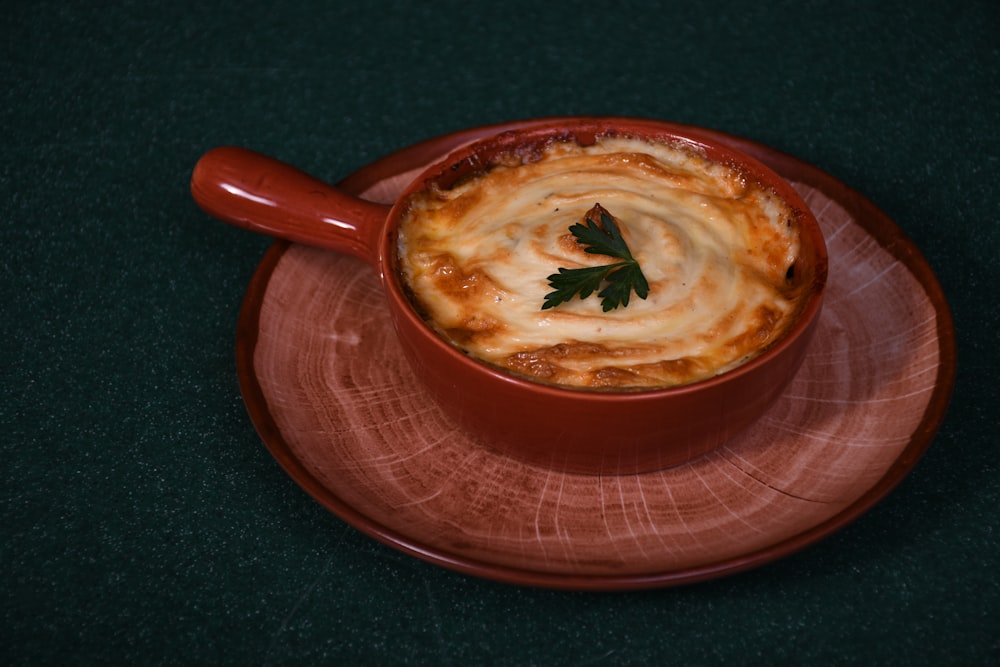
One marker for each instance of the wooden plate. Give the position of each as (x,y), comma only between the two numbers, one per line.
(329,392)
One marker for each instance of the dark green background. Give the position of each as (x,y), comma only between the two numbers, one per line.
(143,521)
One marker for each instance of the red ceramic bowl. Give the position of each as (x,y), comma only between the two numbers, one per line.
(562,428)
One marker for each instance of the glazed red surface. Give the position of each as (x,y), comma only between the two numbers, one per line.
(564,429)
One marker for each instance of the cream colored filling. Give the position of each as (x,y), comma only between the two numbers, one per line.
(715,250)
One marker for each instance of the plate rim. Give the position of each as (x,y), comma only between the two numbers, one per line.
(887,233)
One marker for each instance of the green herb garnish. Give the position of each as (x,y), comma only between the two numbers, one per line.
(599,236)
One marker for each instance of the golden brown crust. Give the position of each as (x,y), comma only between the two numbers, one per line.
(718,252)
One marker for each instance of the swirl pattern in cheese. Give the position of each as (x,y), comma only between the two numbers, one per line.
(718,252)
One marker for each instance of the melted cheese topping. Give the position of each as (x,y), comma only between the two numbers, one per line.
(718,253)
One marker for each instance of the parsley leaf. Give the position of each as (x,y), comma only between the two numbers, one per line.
(599,236)
(621,283)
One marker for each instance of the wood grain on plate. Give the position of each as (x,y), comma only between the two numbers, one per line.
(327,387)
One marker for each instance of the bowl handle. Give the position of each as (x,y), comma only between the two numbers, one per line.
(256,192)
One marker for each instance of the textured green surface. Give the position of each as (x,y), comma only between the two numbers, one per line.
(143,522)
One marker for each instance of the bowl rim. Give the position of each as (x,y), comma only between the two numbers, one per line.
(563,127)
